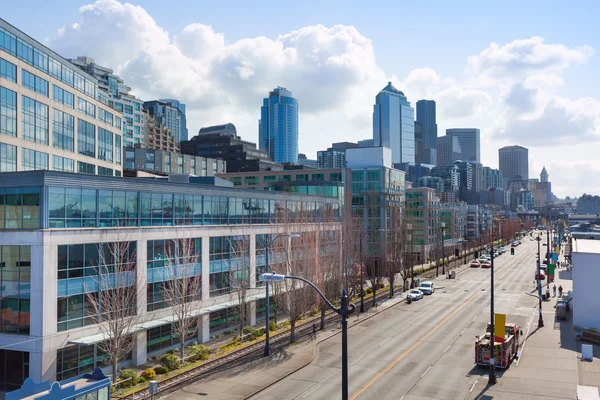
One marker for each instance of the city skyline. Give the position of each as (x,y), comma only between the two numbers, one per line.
(549,96)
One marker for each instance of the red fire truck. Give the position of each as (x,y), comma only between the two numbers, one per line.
(504,351)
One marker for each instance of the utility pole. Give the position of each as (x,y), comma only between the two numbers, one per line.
(539,283)
(492,378)
(443,250)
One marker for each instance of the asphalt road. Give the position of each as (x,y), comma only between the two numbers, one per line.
(423,350)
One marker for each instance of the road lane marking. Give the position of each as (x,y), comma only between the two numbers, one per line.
(310,391)
(473,320)
(355,361)
(447,348)
(463,331)
(426,371)
(427,335)
(473,387)
(385,340)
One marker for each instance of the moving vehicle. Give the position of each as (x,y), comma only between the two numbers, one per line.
(541,275)
(504,350)
(475,264)
(486,264)
(427,287)
(514,244)
(482,259)
(415,294)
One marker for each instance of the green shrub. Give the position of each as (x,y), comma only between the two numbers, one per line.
(369,291)
(149,373)
(217,336)
(253,332)
(380,286)
(272,326)
(161,370)
(128,377)
(200,352)
(141,379)
(170,361)
(227,333)
(171,351)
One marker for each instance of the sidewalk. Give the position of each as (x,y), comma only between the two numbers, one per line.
(549,366)
(244,381)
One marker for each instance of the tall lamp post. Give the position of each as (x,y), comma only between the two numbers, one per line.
(492,378)
(362,274)
(344,311)
(539,283)
(443,228)
(267,350)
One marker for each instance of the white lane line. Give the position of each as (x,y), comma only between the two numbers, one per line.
(355,361)
(447,348)
(426,371)
(310,391)
(463,331)
(402,398)
(384,340)
(473,387)
(473,320)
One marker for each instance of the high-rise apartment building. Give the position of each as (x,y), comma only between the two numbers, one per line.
(492,178)
(469,141)
(514,163)
(393,124)
(52,115)
(117,95)
(165,114)
(183,130)
(278,126)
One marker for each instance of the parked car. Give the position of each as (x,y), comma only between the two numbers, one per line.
(482,259)
(514,244)
(475,264)
(415,294)
(427,287)
(488,258)
(486,264)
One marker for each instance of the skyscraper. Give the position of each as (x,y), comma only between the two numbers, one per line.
(468,138)
(278,126)
(514,163)
(183,130)
(544,175)
(393,124)
(166,114)
(426,117)
(448,150)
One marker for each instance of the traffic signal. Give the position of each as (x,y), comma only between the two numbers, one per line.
(512,251)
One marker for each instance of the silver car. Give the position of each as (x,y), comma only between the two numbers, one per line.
(415,294)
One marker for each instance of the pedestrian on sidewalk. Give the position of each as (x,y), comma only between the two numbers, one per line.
(314,329)
(560,290)
(554,290)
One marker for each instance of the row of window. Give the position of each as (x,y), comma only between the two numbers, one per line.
(15,275)
(37,58)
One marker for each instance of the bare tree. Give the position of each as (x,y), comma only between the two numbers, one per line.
(329,274)
(113,300)
(182,287)
(239,276)
(395,255)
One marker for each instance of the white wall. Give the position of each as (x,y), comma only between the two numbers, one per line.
(369,157)
(586,278)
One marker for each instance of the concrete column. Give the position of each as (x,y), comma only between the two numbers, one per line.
(140,354)
(142,277)
(204,330)
(252,312)
(252,262)
(205,268)
(42,366)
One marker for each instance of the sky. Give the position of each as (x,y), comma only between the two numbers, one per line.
(522,72)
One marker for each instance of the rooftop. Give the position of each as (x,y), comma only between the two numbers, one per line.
(588,246)
(392,89)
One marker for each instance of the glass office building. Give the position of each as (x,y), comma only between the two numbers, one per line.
(183,130)
(394,125)
(278,126)
(52,115)
(55,227)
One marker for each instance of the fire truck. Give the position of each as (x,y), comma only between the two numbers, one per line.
(504,351)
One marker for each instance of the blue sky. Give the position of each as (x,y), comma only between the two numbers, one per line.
(549,104)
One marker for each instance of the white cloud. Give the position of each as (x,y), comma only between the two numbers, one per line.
(510,91)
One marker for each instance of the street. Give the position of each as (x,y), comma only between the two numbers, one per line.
(424,349)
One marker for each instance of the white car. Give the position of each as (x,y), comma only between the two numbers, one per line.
(427,287)
(415,294)
(482,259)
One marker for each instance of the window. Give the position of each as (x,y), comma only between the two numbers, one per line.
(105,145)
(227,254)
(63,164)
(8,158)
(118,149)
(118,123)
(318,177)
(105,116)
(35,120)
(86,107)
(14,365)
(14,289)
(128,110)
(8,70)
(34,82)
(251,180)
(162,337)
(33,160)
(54,68)
(76,360)
(85,168)
(269,178)
(335,177)
(86,138)
(105,171)
(8,112)
(63,131)
(63,96)
(21,208)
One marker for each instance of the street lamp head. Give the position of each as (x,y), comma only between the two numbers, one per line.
(272,277)
(295,235)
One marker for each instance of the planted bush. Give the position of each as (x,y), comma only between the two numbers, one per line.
(227,333)
(128,376)
(272,326)
(149,373)
(171,361)
(369,291)
(200,352)
(161,370)
(140,379)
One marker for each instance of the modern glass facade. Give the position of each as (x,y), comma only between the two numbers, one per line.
(394,125)
(469,143)
(426,116)
(278,126)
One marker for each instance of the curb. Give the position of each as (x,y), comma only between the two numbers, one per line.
(314,349)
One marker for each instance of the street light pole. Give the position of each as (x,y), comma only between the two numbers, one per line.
(344,311)
(362,274)
(267,350)
(492,378)
(443,250)
(539,284)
